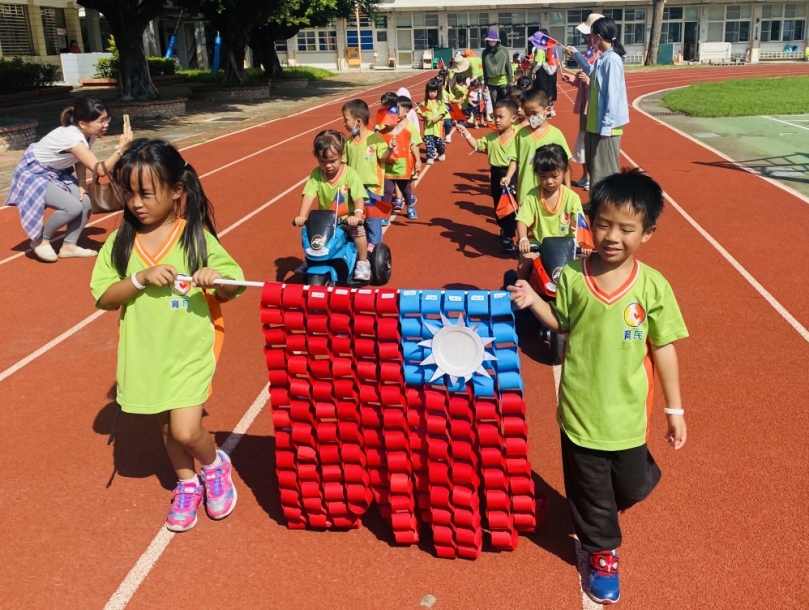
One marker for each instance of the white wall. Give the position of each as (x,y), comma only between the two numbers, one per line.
(79,65)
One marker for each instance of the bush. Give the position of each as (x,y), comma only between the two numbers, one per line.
(17,75)
(107,67)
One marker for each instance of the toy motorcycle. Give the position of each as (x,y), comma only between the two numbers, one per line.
(331,256)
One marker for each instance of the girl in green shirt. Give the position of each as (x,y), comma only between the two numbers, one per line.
(159,268)
(433,111)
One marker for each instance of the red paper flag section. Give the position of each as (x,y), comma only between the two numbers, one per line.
(365,409)
(584,237)
(506,205)
(387,115)
(456,113)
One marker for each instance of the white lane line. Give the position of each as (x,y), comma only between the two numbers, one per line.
(146,562)
(786,122)
(54,240)
(161,541)
(53,343)
(297,114)
(736,265)
(636,105)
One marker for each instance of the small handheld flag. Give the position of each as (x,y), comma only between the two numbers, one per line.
(543,41)
(339,204)
(456,113)
(506,205)
(387,115)
(584,237)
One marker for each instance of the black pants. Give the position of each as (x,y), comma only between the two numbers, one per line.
(390,189)
(508,224)
(598,484)
(498,92)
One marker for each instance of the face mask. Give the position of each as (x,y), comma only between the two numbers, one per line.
(491,42)
(356,130)
(536,120)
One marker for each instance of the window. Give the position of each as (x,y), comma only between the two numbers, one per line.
(366,39)
(673,13)
(616,14)
(773,29)
(403,20)
(351,22)
(635,14)
(557,18)
(578,16)
(318,40)
(281,45)
(425,39)
(381,22)
(635,33)
(737,31)
(15,32)
(458,38)
(381,36)
(53,20)
(306,41)
(533,18)
(736,23)
(672,32)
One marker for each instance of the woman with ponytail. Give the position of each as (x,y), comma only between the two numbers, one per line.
(608,110)
(160,269)
(44,179)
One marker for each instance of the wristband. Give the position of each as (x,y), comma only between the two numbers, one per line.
(522,239)
(360,211)
(135,282)
(668,411)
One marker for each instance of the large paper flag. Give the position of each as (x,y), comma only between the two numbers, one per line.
(410,399)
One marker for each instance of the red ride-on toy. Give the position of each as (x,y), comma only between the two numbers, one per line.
(554,253)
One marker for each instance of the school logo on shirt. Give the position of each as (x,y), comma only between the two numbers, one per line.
(344,187)
(369,150)
(564,223)
(634,315)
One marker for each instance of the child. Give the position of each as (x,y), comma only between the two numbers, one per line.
(400,167)
(433,110)
(515,94)
(170,329)
(366,152)
(476,103)
(334,184)
(538,133)
(546,64)
(387,100)
(549,209)
(500,147)
(525,83)
(443,76)
(622,319)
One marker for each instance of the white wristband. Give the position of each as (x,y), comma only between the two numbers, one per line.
(668,411)
(135,281)
(522,239)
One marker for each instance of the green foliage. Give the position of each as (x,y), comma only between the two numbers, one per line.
(113,48)
(107,67)
(742,97)
(17,75)
(308,73)
(205,77)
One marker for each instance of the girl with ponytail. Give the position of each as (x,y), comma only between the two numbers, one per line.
(160,269)
(608,110)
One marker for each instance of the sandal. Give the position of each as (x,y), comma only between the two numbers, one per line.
(77,253)
(44,252)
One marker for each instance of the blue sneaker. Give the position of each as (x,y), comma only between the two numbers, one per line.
(398,204)
(605,588)
(385,222)
(411,212)
(413,199)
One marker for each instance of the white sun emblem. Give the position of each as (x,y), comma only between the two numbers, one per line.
(457,350)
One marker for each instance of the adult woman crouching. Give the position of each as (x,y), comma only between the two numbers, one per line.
(44,179)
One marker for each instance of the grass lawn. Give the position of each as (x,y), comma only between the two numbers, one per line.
(743,97)
(254,75)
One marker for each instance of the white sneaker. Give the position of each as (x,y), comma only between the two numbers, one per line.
(442,157)
(448,138)
(44,252)
(430,161)
(363,271)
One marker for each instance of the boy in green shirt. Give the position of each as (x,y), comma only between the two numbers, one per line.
(334,184)
(535,107)
(366,152)
(622,319)
(406,163)
(500,147)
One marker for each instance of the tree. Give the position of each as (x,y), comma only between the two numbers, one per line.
(234,19)
(654,38)
(128,19)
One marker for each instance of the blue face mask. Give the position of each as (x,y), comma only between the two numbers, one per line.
(356,130)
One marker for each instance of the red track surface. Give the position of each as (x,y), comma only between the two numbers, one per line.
(723,529)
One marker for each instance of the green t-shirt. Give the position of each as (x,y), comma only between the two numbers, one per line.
(592,111)
(168,342)
(605,396)
(364,158)
(542,223)
(433,110)
(324,190)
(402,166)
(527,144)
(499,152)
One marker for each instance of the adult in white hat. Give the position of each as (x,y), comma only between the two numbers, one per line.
(584,28)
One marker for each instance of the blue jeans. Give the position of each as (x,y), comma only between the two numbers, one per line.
(373,225)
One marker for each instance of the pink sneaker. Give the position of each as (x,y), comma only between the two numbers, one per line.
(183,514)
(220,495)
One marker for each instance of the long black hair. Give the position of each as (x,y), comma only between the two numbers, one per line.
(85,109)
(166,167)
(433,85)
(606,28)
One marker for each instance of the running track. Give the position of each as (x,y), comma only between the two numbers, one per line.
(722,530)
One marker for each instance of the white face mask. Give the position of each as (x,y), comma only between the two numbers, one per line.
(536,120)
(491,43)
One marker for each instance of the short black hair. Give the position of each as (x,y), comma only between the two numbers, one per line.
(632,189)
(508,104)
(549,158)
(515,92)
(535,96)
(327,140)
(358,109)
(525,83)
(405,102)
(389,99)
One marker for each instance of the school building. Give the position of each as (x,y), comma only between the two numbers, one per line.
(401,30)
